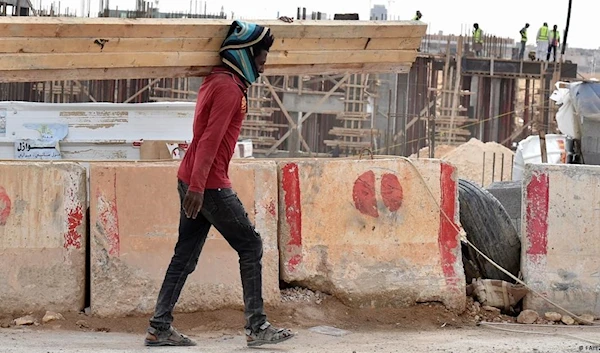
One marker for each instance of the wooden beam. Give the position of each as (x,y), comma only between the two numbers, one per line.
(188,71)
(41,45)
(16,62)
(95,47)
(152,29)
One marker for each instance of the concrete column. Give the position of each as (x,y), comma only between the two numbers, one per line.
(495,108)
(474,99)
(294,139)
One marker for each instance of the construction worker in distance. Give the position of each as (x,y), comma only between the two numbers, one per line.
(523,33)
(477,39)
(542,42)
(553,42)
(417,16)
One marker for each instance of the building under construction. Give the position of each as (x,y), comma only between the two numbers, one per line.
(447,97)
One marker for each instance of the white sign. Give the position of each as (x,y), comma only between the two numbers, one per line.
(36,149)
(46,147)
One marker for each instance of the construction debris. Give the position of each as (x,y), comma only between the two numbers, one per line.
(25,321)
(567,320)
(469,159)
(552,316)
(439,151)
(302,295)
(586,319)
(527,317)
(82,324)
(481,162)
(498,294)
(52,316)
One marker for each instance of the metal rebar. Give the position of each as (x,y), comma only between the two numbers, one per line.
(493,167)
(512,165)
(502,169)
(483,173)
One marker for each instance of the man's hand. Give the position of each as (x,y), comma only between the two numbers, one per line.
(192,203)
(286,19)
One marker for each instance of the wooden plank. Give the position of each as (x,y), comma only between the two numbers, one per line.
(65,27)
(134,45)
(189,71)
(12,62)
(351,144)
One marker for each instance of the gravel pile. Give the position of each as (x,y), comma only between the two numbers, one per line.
(297,294)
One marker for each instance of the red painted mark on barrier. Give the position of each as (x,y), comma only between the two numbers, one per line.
(293,213)
(5,206)
(293,262)
(73,237)
(537,214)
(391,192)
(363,194)
(108,220)
(271,208)
(448,239)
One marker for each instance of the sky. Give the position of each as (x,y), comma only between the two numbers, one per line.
(503,18)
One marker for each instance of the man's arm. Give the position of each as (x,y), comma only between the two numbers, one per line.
(226,104)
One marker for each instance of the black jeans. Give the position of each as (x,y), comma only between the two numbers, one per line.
(223,210)
(551,48)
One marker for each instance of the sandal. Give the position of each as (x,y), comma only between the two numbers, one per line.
(170,337)
(267,334)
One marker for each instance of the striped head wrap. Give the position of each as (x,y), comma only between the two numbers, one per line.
(237,52)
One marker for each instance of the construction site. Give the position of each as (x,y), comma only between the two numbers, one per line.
(411,194)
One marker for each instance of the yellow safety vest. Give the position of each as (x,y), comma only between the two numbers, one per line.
(416,18)
(477,36)
(524,35)
(543,33)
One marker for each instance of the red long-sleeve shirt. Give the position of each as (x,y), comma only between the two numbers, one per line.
(220,111)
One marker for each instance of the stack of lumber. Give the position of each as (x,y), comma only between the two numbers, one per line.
(54,48)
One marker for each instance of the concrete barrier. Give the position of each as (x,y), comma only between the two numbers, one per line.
(369,232)
(134,214)
(42,236)
(561,237)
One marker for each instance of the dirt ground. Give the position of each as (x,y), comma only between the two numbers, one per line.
(427,327)
(297,314)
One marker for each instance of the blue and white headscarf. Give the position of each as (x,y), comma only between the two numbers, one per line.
(236,51)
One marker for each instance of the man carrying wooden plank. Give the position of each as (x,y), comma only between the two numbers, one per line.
(205,190)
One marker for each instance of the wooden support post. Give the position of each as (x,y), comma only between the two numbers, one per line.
(307,115)
(294,123)
(142,90)
(456,96)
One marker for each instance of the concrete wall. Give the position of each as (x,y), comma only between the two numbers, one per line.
(42,237)
(561,236)
(134,210)
(369,232)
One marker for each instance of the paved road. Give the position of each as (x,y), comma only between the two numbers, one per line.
(472,340)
